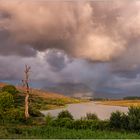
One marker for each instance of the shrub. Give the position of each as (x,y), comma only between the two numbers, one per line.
(102,125)
(91,116)
(79,124)
(29,121)
(54,122)
(63,122)
(48,118)
(129,121)
(10,89)
(14,114)
(89,124)
(6,101)
(134,118)
(124,121)
(35,113)
(65,114)
(115,119)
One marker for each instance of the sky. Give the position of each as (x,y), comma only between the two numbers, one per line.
(78,48)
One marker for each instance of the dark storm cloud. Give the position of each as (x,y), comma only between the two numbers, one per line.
(128,64)
(10,47)
(57,60)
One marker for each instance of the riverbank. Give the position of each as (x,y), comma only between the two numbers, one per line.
(123,103)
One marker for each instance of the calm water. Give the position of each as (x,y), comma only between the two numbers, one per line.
(80,110)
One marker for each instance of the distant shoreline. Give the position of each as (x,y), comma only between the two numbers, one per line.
(122,103)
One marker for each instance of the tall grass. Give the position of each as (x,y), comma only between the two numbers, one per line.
(62,133)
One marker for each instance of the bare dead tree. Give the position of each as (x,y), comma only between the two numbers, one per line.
(27,90)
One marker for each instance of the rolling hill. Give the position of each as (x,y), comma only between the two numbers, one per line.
(39,93)
(41,99)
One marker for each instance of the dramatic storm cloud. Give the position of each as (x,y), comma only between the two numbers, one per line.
(89,45)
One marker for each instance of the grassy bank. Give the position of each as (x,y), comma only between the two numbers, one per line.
(41,103)
(61,133)
(125,103)
(42,100)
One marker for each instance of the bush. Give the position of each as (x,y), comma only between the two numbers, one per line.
(102,125)
(10,89)
(65,114)
(129,121)
(63,122)
(115,119)
(89,124)
(82,124)
(48,118)
(14,114)
(66,120)
(29,121)
(77,124)
(6,101)
(34,112)
(91,116)
(134,118)
(124,121)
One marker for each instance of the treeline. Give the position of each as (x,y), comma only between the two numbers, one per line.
(132,98)
(100,99)
(125,98)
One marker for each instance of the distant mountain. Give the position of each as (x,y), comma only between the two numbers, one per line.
(70,89)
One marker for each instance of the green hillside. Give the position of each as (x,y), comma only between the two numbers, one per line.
(42,100)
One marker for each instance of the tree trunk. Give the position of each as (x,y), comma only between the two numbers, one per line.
(27,90)
(27,106)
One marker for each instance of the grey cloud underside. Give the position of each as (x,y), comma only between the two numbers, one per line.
(93,45)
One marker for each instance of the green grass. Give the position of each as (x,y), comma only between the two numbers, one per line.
(41,103)
(45,104)
(61,133)
(43,100)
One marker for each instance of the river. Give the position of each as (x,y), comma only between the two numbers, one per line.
(81,109)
